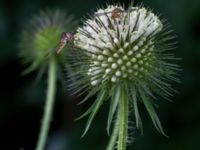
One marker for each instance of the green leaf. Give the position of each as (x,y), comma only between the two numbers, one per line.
(113,107)
(152,112)
(113,137)
(91,93)
(31,68)
(98,103)
(87,112)
(136,111)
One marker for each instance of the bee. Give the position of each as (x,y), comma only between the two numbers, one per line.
(64,40)
(115,13)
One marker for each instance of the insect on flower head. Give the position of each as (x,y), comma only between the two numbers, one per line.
(115,13)
(65,39)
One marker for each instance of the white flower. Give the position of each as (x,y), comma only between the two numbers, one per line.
(118,47)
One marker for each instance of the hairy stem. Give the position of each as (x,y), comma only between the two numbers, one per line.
(114,135)
(123,119)
(50,98)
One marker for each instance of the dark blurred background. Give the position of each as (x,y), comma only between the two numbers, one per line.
(21,101)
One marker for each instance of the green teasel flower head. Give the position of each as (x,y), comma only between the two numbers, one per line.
(124,59)
(41,36)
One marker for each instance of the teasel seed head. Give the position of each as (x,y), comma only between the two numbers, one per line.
(132,52)
(41,36)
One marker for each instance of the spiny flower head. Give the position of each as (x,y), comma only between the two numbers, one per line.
(126,51)
(42,35)
(121,48)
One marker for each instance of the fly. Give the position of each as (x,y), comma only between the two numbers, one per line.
(64,40)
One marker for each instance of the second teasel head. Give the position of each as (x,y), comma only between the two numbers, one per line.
(41,37)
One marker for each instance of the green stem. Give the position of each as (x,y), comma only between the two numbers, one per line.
(123,119)
(48,106)
(114,136)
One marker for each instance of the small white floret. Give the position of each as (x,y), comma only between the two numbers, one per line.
(119,61)
(116,41)
(128,64)
(125,57)
(113,79)
(108,70)
(118,73)
(106,52)
(138,55)
(100,57)
(114,66)
(133,59)
(95,82)
(126,45)
(116,55)
(110,59)
(135,48)
(130,52)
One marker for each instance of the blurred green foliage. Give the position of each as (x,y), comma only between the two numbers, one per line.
(21,100)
